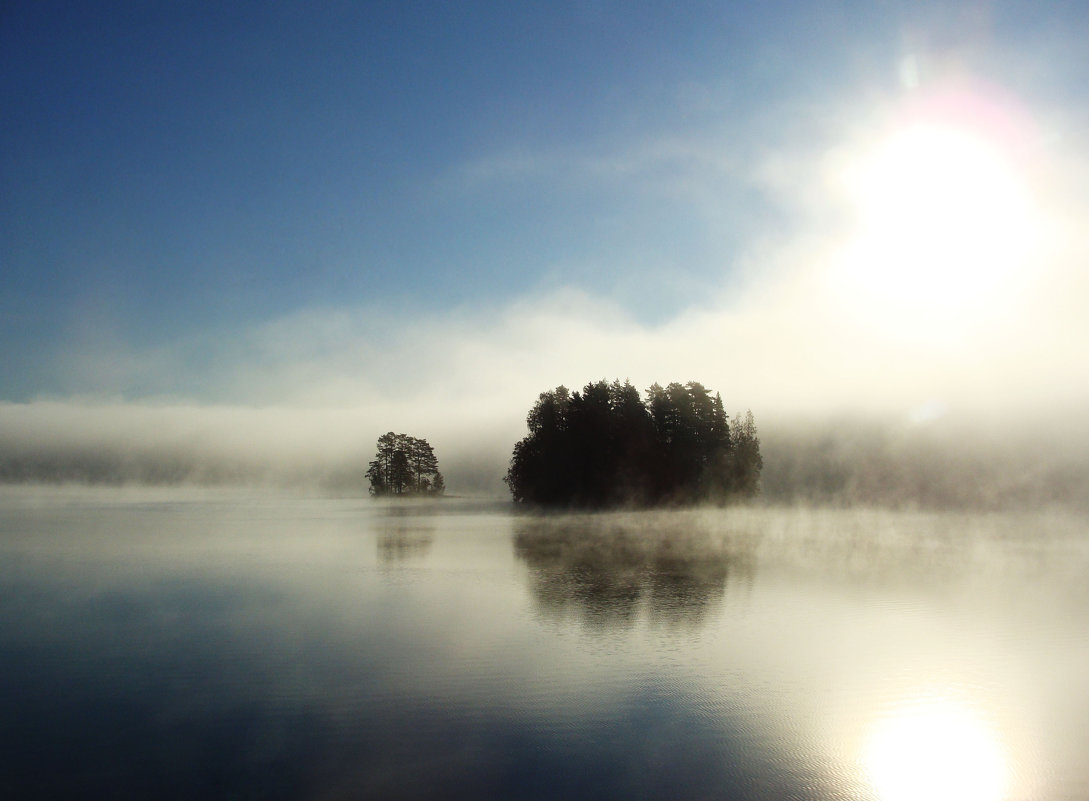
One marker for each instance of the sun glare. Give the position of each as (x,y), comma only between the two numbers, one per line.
(937,751)
(943,223)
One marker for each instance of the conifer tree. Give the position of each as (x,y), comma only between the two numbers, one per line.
(404,465)
(604,446)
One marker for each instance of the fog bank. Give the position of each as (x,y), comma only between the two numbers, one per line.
(947,462)
(305,449)
(872,380)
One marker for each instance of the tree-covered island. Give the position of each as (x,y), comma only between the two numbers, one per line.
(606,446)
(405,466)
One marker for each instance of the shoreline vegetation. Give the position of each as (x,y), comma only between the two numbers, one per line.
(606,447)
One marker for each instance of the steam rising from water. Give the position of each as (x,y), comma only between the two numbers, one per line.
(785,646)
(946,463)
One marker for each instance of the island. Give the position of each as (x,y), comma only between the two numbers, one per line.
(606,446)
(405,466)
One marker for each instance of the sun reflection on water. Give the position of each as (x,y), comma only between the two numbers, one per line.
(935,749)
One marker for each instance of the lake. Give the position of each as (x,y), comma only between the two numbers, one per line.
(240,645)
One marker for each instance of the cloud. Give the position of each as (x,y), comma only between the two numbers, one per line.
(306,395)
(779,335)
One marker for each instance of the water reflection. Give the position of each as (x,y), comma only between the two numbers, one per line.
(938,749)
(608,570)
(403,537)
(197,650)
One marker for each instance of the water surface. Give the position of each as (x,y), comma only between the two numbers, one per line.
(246,646)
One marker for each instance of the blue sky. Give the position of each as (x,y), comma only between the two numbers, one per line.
(326,203)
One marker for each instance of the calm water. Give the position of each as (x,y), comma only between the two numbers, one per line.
(226,646)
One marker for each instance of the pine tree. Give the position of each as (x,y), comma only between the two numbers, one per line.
(604,446)
(404,465)
(746,458)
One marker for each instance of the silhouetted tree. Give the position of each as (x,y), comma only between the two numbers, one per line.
(605,446)
(634,445)
(693,442)
(404,465)
(540,463)
(424,466)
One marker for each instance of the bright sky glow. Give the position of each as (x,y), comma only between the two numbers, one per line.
(448,208)
(944,226)
(936,750)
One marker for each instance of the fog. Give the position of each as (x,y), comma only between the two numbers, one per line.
(844,415)
(952,396)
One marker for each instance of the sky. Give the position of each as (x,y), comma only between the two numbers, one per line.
(423,214)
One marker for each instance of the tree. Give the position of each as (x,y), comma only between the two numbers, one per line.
(746,459)
(692,442)
(539,471)
(634,444)
(604,446)
(404,465)
(423,464)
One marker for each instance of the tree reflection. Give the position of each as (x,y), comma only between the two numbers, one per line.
(403,538)
(610,570)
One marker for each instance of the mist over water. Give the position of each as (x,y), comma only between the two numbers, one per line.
(170,643)
(1023,459)
(237,249)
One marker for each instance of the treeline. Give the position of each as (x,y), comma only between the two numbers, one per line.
(405,465)
(607,446)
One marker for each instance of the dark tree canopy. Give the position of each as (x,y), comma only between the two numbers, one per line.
(606,446)
(405,465)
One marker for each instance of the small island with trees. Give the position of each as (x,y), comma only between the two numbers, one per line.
(405,466)
(607,447)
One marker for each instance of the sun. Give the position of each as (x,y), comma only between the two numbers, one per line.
(936,750)
(943,224)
